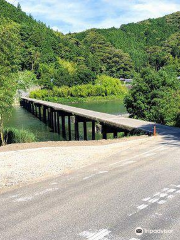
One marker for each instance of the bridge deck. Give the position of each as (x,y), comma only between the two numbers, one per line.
(112,120)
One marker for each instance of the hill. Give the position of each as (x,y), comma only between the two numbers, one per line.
(151,42)
(51,58)
(58,59)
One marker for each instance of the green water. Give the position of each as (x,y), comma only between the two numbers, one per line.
(22,119)
(111,107)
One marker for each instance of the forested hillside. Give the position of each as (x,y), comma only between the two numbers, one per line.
(154,42)
(56,59)
(44,51)
(154,48)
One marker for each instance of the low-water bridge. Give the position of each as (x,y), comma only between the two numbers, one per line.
(56,116)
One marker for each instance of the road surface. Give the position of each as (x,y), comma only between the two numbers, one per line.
(135,188)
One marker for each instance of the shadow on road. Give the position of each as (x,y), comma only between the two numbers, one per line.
(170,135)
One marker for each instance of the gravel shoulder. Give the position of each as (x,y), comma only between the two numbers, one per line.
(22,164)
(22,146)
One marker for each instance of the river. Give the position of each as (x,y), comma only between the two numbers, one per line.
(21,119)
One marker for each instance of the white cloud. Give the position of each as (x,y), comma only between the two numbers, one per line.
(55,28)
(79,15)
(156,8)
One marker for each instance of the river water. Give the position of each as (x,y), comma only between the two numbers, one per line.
(21,119)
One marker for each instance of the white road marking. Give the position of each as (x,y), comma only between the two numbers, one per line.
(165,189)
(54,183)
(143,206)
(153,200)
(90,176)
(25,199)
(177,186)
(112,164)
(159,198)
(157,194)
(94,174)
(146,199)
(163,195)
(134,239)
(29,198)
(149,154)
(137,156)
(131,214)
(102,172)
(170,196)
(15,196)
(162,202)
(46,191)
(95,235)
(127,163)
(171,190)
(163,148)
(158,214)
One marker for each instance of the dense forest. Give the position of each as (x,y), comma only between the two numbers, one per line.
(61,59)
(31,53)
(78,58)
(153,42)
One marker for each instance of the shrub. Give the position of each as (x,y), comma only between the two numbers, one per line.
(13,135)
(155,96)
(104,86)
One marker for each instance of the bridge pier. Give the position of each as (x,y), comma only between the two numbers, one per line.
(93,130)
(69,128)
(57,123)
(39,108)
(76,129)
(84,122)
(44,114)
(106,129)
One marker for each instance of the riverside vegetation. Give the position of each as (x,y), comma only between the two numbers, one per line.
(12,135)
(104,87)
(71,66)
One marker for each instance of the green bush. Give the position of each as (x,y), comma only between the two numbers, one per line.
(104,86)
(155,97)
(13,135)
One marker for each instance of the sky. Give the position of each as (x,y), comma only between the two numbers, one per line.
(79,15)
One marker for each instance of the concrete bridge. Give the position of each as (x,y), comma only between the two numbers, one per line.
(57,115)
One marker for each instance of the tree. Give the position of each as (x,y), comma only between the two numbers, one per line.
(26,79)
(9,42)
(157,57)
(84,75)
(19,7)
(154,97)
(112,61)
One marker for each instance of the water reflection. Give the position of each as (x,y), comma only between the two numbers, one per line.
(21,119)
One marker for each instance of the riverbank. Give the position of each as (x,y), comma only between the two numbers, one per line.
(104,88)
(92,99)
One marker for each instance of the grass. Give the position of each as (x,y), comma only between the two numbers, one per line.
(13,135)
(83,100)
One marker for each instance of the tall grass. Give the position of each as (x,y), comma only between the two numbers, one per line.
(12,135)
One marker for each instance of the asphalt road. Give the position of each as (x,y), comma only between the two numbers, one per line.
(135,188)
